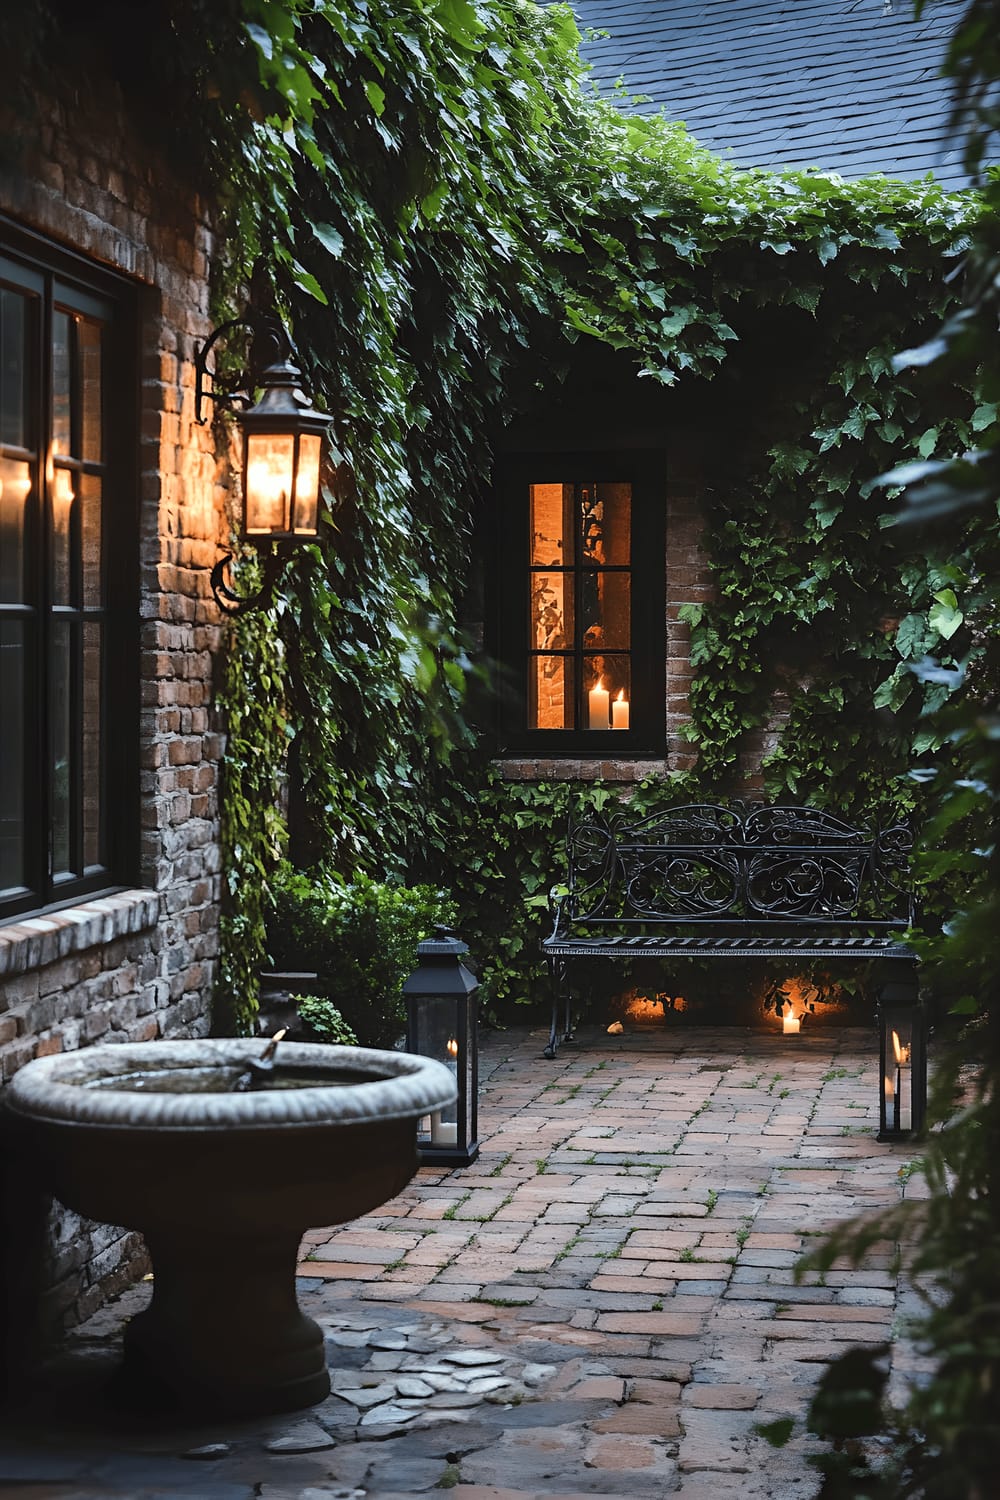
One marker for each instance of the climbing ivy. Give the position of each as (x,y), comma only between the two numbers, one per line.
(452,214)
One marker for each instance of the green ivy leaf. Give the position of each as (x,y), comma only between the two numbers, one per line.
(376,97)
(331,239)
(945,616)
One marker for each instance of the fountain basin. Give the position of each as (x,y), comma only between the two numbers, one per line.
(222,1185)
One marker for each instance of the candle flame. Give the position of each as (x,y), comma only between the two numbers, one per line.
(621,696)
(901,1049)
(452,1047)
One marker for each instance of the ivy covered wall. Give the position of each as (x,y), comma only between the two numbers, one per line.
(452,218)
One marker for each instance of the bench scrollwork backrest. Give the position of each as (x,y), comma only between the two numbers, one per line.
(739,862)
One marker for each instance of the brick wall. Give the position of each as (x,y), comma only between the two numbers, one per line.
(138,964)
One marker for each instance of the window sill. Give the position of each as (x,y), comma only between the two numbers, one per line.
(578,768)
(33,942)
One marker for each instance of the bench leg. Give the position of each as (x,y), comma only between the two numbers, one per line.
(560,989)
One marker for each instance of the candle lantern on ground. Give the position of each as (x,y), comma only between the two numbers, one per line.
(903,1062)
(441,1022)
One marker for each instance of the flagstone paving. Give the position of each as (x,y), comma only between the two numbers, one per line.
(606,1303)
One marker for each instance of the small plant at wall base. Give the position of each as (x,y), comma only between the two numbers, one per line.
(323,1021)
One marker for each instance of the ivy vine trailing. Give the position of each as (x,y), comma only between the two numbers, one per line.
(453,217)
(475,218)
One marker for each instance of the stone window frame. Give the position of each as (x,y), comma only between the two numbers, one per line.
(54,276)
(508,629)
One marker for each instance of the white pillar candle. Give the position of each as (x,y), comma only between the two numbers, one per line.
(619,712)
(791,1024)
(443,1132)
(599,702)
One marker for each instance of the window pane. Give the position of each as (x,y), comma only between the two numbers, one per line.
(607,682)
(13,369)
(552,525)
(605,601)
(88,335)
(12,789)
(15,485)
(605,524)
(551,611)
(89,505)
(60,701)
(62,536)
(551,693)
(62,431)
(92,851)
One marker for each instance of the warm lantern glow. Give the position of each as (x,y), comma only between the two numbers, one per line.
(619,711)
(791,1024)
(452,1047)
(643,1009)
(599,702)
(639,1007)
(307,484)
(896,1085)
(269,479)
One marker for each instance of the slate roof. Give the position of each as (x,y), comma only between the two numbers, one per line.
(850,86)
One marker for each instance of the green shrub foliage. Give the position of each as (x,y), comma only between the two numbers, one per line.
(361,938)
(324,1021)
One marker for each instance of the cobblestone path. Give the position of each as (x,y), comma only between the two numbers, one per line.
(604,1304)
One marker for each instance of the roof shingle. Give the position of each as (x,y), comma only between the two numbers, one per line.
(848,86)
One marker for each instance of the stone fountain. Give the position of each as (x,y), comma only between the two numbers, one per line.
(222,1154)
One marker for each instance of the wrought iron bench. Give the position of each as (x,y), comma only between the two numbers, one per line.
(732,882)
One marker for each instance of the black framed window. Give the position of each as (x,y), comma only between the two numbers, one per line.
(580,592)
(68,574)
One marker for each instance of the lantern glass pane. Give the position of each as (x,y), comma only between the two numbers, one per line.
(434,1032)
(270,465)
(307,484)
(897,1082)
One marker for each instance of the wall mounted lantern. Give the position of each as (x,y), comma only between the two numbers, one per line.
(282,444)
(902,1062)
(441,1022)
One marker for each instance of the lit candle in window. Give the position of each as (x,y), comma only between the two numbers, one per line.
(619,712)
(599,701)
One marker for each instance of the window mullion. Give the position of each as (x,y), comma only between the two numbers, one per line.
(42,759)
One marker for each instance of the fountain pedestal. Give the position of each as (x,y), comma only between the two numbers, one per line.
(223,1185)
(234,1341)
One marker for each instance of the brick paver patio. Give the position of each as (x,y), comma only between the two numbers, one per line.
(604,1304)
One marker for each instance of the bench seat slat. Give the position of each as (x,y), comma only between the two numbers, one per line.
(726,947)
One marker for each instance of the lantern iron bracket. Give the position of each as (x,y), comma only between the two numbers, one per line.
(270,346)
(270,368)
(229,601)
